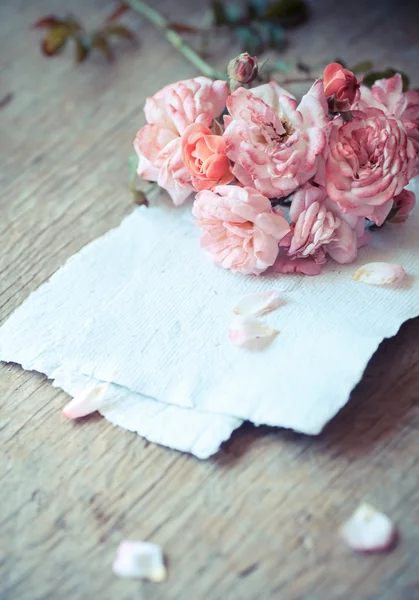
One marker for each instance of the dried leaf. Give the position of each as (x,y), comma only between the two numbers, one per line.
(183,28)
(120,31)
(379,273)
(47,22)
(362,67)
(139,198)
(140,560)
(118,12)
(55,40)
(100,42)
(259,303)
(82,50)
(373,76)
(369,530)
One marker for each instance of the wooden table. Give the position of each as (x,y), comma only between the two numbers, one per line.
(260,519)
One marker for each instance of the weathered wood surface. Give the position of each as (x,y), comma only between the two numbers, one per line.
(260,519)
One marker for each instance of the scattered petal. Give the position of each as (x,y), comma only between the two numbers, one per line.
(379,273)
(369,530)
(140,560)
(249,332)
(88,401)
(259,303)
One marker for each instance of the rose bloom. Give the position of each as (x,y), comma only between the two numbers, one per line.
(169,112)
(403,204)
(273,142)
(388,96)
(241,231)
(370,161)
(204,155)
(320,228)
(340,87)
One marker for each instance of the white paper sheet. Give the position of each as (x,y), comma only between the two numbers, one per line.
(144,308)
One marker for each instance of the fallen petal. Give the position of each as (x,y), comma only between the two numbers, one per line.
(368,530)
(88,401)
(379,273)
(249,332)
(259,303)
(140,560)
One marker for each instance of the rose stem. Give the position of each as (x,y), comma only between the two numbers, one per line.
(175,39)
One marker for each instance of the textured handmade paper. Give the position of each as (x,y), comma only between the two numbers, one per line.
(144,308)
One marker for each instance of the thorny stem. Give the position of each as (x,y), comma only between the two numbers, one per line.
(175,39)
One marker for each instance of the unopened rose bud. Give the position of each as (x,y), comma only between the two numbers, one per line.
(340,87)
(243,68)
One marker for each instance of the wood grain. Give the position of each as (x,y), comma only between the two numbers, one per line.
(260,519)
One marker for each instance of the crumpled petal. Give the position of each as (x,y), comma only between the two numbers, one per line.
(86,402)
(247,331)
(258,303)
(140,560)
(379,273)
(369,530)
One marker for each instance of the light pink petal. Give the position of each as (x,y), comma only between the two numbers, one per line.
(379,273)
(258,303)
(249,332)
(88,401)
(303,266)
(369,530)
(140,560)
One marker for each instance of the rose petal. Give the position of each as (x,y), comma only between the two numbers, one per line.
(369,530)
(140,560)
(258,303)
(86,402)
(379,273)
(249,332)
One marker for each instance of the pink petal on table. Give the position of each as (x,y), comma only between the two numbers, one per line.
(86,402)
(140,560)
(249,332)
(258,303)
(379,273)
(369,530)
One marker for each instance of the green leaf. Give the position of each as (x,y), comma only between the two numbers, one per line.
(289,12)
(101,43)
(373,76)
(284,67)
(132,167)
(362,67)
(120,31)
(218,12)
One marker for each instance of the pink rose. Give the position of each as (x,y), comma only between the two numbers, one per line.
(169,112)
(243,69)
(403,204)
(321,228)
(340,87)
(388,96)
(275,143)
(204,155)
(370,161)
(241,232)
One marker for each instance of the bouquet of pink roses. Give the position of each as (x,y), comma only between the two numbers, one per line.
(341,157)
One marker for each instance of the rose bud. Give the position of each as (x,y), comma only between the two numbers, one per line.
(340,87)
(243,69)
